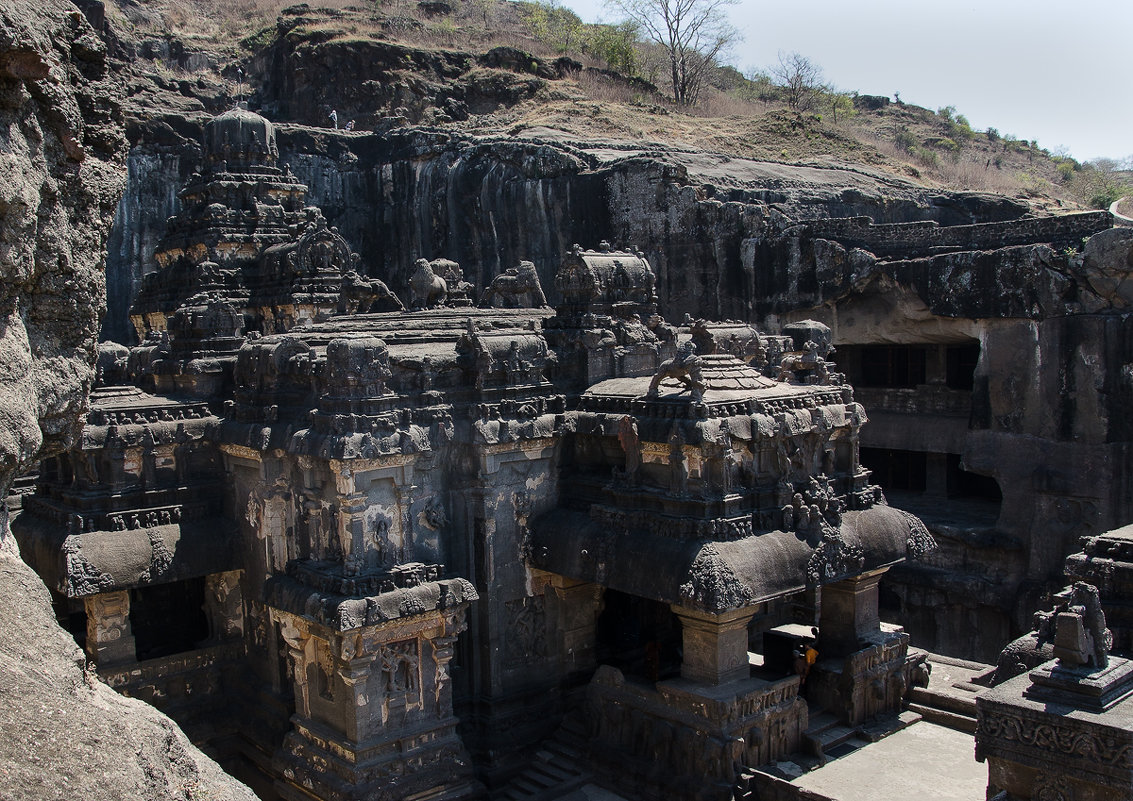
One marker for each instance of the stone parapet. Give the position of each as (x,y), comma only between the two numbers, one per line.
(681,739)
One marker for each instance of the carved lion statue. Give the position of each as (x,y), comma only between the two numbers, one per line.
(364,295)
(427,290)
(684,367)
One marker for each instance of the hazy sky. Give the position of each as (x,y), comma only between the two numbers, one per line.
(1059,72)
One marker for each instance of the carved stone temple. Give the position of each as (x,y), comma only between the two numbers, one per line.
(370,541)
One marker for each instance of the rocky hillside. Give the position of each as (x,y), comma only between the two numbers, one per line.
(488,66)
(63,734)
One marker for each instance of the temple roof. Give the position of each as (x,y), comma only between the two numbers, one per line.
(101,561)
(719,576)
(725,376)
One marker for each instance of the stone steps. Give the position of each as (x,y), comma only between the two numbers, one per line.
(825,733)
(555,768)
(952,705)
(942,717)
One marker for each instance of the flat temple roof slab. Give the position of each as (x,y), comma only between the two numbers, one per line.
(923,761)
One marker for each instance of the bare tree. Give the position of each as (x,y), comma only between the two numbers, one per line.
(693,33)
(800,78)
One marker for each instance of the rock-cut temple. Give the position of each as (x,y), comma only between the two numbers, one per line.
(377,542)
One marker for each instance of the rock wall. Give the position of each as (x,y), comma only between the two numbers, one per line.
(1047,417)
(489,202)
(63,733)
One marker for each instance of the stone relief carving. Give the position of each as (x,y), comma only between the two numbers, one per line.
(356,368)
(678,464)
(631,446)
(1052,787)
(712,584)
(526,630)
(920,541)
(834,557)
(1068,740)
(400,662)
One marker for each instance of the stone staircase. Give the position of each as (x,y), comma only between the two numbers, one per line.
(950,698)
(557,767)
(827,738)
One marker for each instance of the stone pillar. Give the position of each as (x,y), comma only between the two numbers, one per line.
(577,605)
(849,614)
(354,708)
(936,478)
(715,646)
(936,364)
(109,639)
(224,605)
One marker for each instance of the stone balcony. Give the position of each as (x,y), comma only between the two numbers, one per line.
(923,399)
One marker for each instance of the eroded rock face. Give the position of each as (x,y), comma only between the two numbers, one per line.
(61,179)
(63,733)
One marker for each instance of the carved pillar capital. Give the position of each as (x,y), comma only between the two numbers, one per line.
(715,645)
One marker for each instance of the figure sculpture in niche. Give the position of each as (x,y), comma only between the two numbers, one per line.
(678,464)
(627,436)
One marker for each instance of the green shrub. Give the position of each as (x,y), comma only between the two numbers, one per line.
(904,139)
(925,156)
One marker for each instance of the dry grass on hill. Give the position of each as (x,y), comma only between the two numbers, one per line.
(905,140)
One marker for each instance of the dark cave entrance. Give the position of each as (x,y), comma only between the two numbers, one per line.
(639,636)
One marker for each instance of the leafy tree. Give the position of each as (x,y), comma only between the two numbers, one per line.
(1101,182)
(559,27)
(693,34)
(840,103)
(800,78)
(616,45)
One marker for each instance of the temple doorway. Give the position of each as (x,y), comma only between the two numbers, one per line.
(640,637)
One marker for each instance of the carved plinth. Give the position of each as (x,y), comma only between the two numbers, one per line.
(317,761)
(1041,748)
(867,683)
(1083,687)
(373,697)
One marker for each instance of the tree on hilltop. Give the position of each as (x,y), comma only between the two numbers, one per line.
(800,78)
(693,33)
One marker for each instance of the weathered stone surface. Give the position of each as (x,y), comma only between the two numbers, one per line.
(61,179)
(62,733)
(490,202)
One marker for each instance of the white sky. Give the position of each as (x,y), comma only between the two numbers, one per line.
(1059,71)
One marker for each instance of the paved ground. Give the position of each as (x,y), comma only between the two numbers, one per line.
(924,761)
